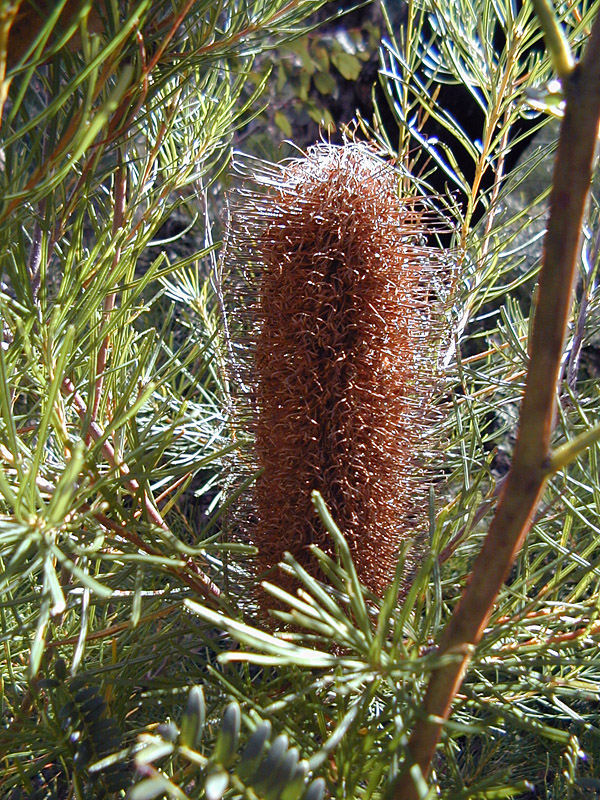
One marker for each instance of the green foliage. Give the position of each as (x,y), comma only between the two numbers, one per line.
(309,77)
(77,714)
(264,770)
(314,62)
(115,428)
(113,397)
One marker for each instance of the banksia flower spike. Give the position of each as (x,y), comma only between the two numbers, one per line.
(340,340)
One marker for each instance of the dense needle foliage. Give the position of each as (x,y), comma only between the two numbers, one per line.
(121,587)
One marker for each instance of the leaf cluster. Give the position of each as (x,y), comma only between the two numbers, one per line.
(115,120)
(266,768)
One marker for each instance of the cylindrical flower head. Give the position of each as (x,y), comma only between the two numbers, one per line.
(344,322)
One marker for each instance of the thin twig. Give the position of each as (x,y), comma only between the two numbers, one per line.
(483,509)
(589,282)
(35,261)
(112,630)
(512,521)
(202,582)
(110,299)
(198,581)
(8,14)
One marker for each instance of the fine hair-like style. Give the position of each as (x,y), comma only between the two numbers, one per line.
(337,354)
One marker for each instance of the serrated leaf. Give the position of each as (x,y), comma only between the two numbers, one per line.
(319,114)
(83,755)
(85,694)
(281,775)
(153,752)
(48,683)
(275,756)
(321,57)
(316,790)
(324,82)
(168,731)
(60,669)
(150,788)
(282,77)
(93,708)
(294,788)
(304,86)
(66,712)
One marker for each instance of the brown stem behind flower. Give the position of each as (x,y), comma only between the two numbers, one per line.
(512,521)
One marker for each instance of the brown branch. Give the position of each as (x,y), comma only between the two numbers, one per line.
(112,630)
(512,521)
(8,13)
(197,581)
(175,22)
(32,17)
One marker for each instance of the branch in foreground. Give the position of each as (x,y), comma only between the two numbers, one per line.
(513,518)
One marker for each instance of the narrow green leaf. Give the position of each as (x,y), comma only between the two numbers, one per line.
(192,722)
(227,741)
(354,589)
(58,374)
(156,786)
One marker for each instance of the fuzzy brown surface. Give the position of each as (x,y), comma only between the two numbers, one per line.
(342,360)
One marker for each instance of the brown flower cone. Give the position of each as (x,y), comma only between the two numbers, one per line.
(343,334)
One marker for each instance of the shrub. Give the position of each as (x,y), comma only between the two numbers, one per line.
(121,583)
